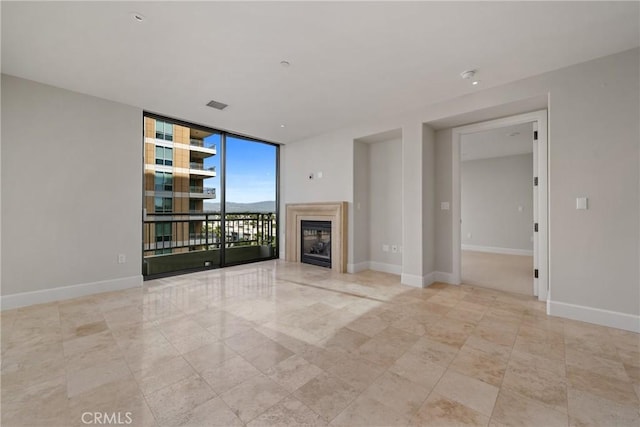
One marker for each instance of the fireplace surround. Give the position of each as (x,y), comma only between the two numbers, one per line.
(336,212)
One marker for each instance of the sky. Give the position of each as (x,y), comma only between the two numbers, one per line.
(251,170)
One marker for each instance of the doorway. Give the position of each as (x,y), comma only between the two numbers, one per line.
(496,172)
(539,284)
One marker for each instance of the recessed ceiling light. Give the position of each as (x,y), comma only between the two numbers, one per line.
(282,126)
(475,82)
(138,17)
(285,63)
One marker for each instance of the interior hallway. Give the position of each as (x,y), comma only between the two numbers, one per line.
(277,343)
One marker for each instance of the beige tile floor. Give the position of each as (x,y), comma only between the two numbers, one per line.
(275,343)
(509,273)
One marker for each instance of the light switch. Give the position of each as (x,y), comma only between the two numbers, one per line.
(319,175)
(582,203)
(444,206)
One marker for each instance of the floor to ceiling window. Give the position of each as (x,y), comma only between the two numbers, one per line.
(249,198)
(210,198)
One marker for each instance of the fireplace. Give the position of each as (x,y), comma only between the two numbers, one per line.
(333,212)
(315,243)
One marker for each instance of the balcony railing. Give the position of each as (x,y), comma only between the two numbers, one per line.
(203,190)
(202,143)
(201,231)
(201,167)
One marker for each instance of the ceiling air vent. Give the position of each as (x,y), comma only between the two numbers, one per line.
(217,105)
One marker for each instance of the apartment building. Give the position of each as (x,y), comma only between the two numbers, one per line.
(174,183)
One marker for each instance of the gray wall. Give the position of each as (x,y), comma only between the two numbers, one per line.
(385,187)
(331,157)
(361,201)
(443,193)
(492,191)
(428,199)
(71,188)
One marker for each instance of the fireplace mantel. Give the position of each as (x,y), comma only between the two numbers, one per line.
(336,212)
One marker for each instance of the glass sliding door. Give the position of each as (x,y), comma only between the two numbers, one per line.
(187,225)
(250,200)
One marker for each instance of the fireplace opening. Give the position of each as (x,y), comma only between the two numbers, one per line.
(315,247)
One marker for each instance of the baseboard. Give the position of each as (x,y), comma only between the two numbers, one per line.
(428,279)
(439,276)
(358,267)
(497,250)
(385,268)
(612,319)
(24,299)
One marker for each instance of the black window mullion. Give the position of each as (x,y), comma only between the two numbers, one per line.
(223,200)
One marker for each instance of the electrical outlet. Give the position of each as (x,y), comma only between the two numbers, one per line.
(385,248)
(122,258)
(394,249)
(468,235)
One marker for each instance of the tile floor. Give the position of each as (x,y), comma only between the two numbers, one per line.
(500,272)
(275,343)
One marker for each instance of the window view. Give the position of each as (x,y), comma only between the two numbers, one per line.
(250,198)
(189,171)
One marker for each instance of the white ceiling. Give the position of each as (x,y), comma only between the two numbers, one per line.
(501,142)
(349,61)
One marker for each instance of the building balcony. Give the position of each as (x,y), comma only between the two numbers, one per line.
(201,149)
(202,192)
(198,169)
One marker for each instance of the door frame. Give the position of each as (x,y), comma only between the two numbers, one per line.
(541,285)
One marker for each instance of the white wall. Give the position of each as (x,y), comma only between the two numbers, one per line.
(385,213)
(71,193)
(594,135)
(492,191)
